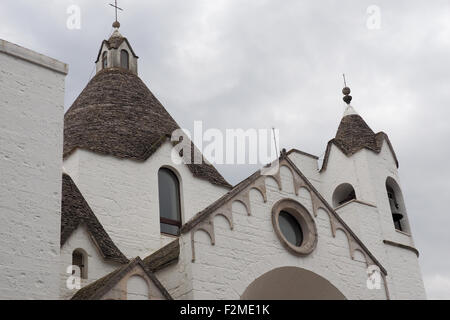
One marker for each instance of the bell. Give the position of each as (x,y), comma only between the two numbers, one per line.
(397,216)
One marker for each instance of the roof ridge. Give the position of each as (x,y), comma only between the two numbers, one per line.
(74,211)
(100,287)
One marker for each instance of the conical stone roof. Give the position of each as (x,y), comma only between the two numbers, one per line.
(354,134)
(116,114)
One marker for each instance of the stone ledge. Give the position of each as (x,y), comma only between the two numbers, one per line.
(33,57)
(355,201)
(403,246)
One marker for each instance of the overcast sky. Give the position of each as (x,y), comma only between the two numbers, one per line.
(263,63)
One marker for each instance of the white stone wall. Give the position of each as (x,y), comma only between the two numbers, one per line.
(31,138)
(97,267)
(135,285)
(251,249)
(367,172)
(123,194)
(177,278)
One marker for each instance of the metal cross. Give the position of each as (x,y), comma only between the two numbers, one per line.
(116,7)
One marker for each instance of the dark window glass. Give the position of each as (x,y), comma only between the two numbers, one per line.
(124,59)
(290,228)
(169,202)
(105,60)
(79,260)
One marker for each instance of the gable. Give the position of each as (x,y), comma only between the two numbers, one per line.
(114,44)
(379,140)
(204,220)
(75,211)
(115,284)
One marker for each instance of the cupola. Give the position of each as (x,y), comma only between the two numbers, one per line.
(116,52)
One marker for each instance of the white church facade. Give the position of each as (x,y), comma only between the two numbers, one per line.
(94,207)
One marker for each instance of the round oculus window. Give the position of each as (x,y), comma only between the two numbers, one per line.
(294,226)
(290,228)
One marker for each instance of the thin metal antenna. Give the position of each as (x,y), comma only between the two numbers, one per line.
(345,82)
(275,140)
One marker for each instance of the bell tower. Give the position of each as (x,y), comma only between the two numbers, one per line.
(360,179)
(116,52)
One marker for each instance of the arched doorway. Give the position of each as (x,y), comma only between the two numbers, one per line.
(291,283)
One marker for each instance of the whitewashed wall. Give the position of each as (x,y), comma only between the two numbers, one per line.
(251,249)
(124,196)
(367,172)
(31,137)
(97,267)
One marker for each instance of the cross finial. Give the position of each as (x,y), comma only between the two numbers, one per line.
(116,23)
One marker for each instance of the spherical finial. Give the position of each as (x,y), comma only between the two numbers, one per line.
(346,91)
(116,24)
(347,97)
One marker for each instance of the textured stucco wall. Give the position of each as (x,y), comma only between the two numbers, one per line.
(31,137)
(124,196)
(367,171)
(97,267)
(251,249)
(135,285)
(177,278)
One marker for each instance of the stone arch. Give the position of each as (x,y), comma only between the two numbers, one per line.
(287,179)
(397,205)
(359,255)
(305,195)
(124,59)
(343,194)
(324,219)
(272,181)
(348,239)
(258,190)
(170,200)
(80,263)
(245,204)
(291,283)
(227,215)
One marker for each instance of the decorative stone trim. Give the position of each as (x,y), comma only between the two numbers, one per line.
(403,246)
(97,289)
(403,233)
(305,221)
(302,153)
(204,220)
(355,201)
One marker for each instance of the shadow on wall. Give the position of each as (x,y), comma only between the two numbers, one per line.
(343,194)
(291,283)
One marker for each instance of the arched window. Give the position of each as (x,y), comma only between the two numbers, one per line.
(105,60)
(396,204)
(343,194)
(124,59)
(169,202)
(79,260)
